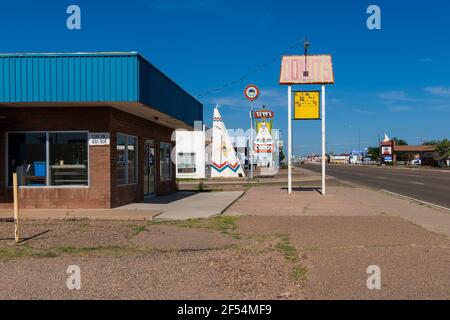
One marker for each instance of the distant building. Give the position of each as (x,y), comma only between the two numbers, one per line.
(392,153)
(340,159)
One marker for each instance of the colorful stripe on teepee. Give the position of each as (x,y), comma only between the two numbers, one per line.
(225,165)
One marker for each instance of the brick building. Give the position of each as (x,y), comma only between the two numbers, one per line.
(393,153)
(88,130)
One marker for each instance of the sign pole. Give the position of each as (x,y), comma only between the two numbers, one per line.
(251,92)
(289,140)
(323,141)
(16,208)
(251,140)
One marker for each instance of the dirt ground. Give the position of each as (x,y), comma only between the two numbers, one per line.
(197,259)
(280,251)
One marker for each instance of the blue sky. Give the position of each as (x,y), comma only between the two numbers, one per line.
(394,80)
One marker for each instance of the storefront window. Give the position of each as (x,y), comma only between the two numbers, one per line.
(27,157)
(48,158)
(132,160)
(165,165)
(121,159)
(126,159)
(68,159)
(186,162)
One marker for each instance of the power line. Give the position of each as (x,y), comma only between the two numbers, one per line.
(298,43)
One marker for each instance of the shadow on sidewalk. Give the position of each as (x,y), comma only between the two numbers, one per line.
(295,189)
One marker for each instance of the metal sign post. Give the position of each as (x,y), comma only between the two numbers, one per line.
(289,140)
(251,92)
(323,141)
(313,70)
(250,144)
(16,208)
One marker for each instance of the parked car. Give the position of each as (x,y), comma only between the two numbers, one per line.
(415,162)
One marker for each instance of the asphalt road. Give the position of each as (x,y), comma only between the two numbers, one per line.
(423,184)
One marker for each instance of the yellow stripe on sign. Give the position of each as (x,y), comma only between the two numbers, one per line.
(307,105)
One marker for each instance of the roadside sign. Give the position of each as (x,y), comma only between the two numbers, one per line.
(307,105)
(310,69)
(386,151)
(99,139)
(263,113)
(251,92)
(306,69)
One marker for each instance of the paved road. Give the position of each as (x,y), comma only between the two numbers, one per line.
(427,185)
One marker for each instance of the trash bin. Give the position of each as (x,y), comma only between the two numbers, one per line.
(40,169)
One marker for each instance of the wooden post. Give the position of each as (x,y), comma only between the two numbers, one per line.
(16,208)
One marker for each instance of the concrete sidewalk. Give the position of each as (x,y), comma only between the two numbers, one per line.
(78,214)
(340,201)
(188,205)
(177,206)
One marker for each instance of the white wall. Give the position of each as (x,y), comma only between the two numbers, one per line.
(191,142)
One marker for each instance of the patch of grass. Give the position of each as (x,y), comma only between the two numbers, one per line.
(116,250)
(191,223)
(224,224)
(287,248)
(299,273)
(26,251)
(136,229)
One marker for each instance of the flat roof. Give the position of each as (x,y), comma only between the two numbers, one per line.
(93,78)
(415,148)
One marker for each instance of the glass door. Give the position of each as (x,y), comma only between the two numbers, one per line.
(149,169)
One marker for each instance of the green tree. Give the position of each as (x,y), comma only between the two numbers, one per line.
(374,153)
(430,143)
(399,142)
(281,157)
(443,149)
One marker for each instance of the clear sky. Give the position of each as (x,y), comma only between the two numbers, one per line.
(393,80)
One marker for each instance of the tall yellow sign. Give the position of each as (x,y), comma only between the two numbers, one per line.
(307,105)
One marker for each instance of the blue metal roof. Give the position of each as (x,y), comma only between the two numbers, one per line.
(93,78)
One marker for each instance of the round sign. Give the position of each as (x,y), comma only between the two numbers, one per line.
(251,92)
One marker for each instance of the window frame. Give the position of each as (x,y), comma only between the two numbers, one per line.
(47,157)
(194,163)
(170,178)
(136,159)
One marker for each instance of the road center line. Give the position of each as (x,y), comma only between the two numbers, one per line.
(418,183)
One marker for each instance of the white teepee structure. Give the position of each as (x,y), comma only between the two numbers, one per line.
(224,162)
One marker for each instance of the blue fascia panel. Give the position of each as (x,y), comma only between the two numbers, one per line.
(93,78)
